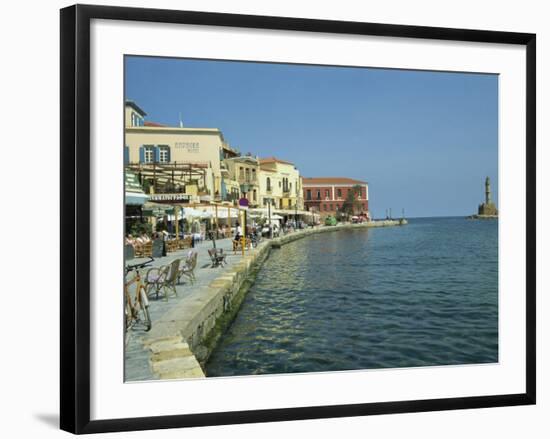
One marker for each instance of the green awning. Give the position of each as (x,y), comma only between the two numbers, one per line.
(154,209)
(134,194)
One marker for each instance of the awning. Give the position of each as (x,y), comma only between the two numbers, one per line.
(135,198)
(189,212)
(156,209)
(222,211)
(134,194)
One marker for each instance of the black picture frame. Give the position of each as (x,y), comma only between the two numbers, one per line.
(75,217)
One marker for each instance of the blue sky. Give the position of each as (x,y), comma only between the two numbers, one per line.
(425,141)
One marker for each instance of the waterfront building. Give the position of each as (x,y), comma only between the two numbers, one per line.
(243,172)
(280,183)
(176,164)
(329,195)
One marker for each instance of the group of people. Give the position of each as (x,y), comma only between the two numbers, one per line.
(144,238)
(137,241)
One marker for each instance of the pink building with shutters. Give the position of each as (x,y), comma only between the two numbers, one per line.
(326,195)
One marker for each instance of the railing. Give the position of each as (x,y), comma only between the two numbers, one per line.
(247,180)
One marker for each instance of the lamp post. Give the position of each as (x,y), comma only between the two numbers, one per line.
(245,188)
(269,200)
(216,217)
(176,211)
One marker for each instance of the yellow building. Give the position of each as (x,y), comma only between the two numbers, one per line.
(243,171)
(280,182)
(174,159)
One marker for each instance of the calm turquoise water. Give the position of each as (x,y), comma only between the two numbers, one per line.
(424,294)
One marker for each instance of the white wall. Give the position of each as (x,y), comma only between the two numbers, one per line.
(29,365)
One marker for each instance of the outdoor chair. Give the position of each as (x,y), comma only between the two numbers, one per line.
(155,280)
(138,250)
(148,249)
(172,278)
(187,269)
(185,243)
(163,278)
(171,246)
(217,257)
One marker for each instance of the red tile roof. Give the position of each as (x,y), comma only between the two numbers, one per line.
(152,124)
(330,180)
(274,160)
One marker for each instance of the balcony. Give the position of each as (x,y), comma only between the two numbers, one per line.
(242,179)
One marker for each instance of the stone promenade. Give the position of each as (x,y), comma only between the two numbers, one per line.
(156,354)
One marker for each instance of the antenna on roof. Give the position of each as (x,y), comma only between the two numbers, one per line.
(181,121)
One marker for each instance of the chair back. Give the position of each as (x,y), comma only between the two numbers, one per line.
(174,268)
(163,273)
(192,260)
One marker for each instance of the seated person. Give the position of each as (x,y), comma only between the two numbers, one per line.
(238,237)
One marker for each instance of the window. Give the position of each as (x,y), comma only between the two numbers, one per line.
(253,175)
(241,176)
(318,195)
(136,120)
(164,154)
(327,194)
(149,154)
(308,194)
(268,184)
(254,194)
(339,192)
(247,172)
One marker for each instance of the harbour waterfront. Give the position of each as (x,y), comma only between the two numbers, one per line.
(421,295)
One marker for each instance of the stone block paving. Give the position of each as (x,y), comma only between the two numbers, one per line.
(146,362)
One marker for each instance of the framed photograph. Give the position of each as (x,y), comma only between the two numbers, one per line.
(274,218)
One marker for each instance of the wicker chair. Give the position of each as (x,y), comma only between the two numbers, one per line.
(187,269)
(155,280)
(148,249)
(172,278)
(163,279)
(171,246)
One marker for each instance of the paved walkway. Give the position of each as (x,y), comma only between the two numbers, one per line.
(137,365)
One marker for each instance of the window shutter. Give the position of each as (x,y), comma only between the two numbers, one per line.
(156,154)
(126,155)
(141,154)
(168,159)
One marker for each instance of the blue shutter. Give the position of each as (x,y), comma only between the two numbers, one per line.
(141,154)
(156,154)
(126,155)
(224,190)
(168,154)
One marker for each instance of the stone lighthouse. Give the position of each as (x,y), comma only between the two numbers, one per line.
(487,209)
(487,191)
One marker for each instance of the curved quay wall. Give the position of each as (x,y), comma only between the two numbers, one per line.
(184,337)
